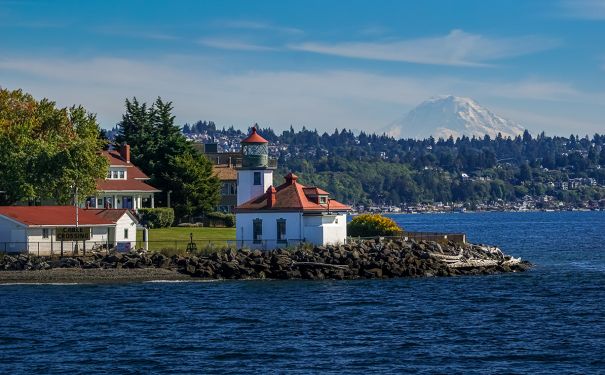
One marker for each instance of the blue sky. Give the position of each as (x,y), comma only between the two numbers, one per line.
(322,64)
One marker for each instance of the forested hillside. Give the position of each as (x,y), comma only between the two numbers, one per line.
(364,168)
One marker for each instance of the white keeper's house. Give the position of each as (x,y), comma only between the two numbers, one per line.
(125,185)
(270,217)
(34,229)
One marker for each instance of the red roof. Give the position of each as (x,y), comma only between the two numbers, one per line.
(254,137)
(114,158)
(111,214)
(54,216)
(315,191)
(291,196)
(125,186)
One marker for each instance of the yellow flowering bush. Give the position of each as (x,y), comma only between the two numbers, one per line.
(370,225)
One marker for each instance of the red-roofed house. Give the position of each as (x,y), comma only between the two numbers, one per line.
(125,185)
(270,217)
(34,228)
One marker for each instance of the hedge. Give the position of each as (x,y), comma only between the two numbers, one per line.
(227,219)
(162,217)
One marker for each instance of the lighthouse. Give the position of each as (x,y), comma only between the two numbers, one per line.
(255,175)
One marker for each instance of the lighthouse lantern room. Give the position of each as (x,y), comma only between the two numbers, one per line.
(255,175)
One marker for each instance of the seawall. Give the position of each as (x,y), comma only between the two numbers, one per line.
(378,258)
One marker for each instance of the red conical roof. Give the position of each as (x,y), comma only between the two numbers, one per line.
(254,137)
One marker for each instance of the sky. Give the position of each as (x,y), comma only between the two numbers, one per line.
(359,65)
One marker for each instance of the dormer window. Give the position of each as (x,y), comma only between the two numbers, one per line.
(114,174)
(323,199)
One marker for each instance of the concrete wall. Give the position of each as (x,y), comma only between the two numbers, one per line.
(244,222)
(125,222)
(325,229)
(246,189)
(11,232)
(316,229)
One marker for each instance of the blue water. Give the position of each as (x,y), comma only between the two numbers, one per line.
(549,320)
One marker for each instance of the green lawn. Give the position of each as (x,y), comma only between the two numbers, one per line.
(178,238)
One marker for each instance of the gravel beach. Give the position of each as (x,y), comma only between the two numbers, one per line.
(90,276)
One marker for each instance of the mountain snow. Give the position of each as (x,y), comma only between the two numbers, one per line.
(447,115)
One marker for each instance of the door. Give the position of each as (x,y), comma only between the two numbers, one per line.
(127,202)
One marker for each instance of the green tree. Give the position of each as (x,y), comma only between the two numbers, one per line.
(46,150)
(163,153)
(194,183)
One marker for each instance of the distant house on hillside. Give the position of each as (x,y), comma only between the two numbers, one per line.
(125,185)
(227,174)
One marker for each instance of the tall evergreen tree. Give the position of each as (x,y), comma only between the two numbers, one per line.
(171,162)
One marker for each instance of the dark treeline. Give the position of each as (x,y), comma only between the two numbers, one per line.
(378,168)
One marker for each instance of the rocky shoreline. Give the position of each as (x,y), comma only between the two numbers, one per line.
(369,259)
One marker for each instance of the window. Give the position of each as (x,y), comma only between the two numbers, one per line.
(256,178)
(126,233)
(257,230)
(255,149)
(323,200)
(45,233)
(281,230)
(121,175)
(99,202)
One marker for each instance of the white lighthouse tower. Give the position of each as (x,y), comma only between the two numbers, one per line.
(255,175)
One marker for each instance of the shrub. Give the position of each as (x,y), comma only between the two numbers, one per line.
(226,219)
(370,225)
(162,217)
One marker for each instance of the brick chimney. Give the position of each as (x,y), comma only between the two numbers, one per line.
(125,152)
(271,199)
(291,178)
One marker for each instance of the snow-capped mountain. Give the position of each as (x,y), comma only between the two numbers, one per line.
(443,116)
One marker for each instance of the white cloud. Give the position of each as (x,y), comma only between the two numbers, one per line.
(233,44)
(533,89)
(458,48)
(324,99)
(585,9)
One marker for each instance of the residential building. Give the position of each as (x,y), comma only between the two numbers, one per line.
(227,174)
(125,185)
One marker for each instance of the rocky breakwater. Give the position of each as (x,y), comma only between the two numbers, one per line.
(379,258)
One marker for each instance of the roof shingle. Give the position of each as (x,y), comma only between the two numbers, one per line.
(56,215)
(291,196)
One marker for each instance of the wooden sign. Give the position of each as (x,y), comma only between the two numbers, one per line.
(73,234)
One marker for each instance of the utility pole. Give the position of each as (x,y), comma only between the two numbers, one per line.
(77,212)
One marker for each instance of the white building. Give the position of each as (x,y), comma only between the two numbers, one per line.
(34,229)
(125,185)
(269,217)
